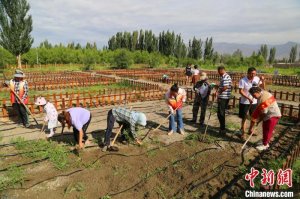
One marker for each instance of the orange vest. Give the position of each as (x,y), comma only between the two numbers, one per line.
(261,107)
(176,103)
(21,92)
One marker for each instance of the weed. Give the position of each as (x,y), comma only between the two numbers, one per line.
(195,167)
(12,177)
(56,153)
(106,197)
(161,192)
(152,153)
(233,126)
(79,187)
(296,171)
(120,170)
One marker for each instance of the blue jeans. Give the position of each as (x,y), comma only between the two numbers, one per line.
(179,120)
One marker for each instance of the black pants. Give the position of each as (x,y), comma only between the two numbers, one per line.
(22,113)
(110,125)
(222,105)
(198,101)
(84,129)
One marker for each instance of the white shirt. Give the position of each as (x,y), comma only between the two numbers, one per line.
(196,72)
(246,84)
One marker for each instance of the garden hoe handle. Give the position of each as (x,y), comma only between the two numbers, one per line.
(247,140)
(42,130)
(27,109)
(119,131)
(164,121)
(211,107)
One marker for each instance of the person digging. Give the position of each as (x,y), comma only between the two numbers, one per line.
(128,120)
(267,111)
(79,118)
(19,87)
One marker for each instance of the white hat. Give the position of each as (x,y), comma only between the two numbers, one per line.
(141,119)
(19,73)
(203,76)
(40,101)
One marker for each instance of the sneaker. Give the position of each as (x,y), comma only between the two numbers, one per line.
(202,124)
(104,149)
(181,131)
(28,126)
(259,143)
(50,135)
(262,147)
(192,121)
(170,132)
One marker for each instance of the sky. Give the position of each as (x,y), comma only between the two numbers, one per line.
(232,21)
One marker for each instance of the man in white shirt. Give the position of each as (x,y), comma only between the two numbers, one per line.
(247,102)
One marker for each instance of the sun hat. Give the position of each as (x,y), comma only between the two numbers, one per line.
(19,73)
(40,101)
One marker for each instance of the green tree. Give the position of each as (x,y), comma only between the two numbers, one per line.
(15,27)
(272,55)
(208,49)
(263,51)
(196,51)
(293,54)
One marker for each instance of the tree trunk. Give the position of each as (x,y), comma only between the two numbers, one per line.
(19,61)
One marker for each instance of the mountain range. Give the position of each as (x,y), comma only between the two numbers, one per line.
(282,50)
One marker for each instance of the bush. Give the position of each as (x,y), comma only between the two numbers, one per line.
(122,59)
(154,60)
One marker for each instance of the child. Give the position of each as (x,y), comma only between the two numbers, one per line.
(51,114)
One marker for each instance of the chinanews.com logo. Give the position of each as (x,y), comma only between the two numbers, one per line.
(283,178)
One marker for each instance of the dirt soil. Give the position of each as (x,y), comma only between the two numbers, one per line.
(163,167)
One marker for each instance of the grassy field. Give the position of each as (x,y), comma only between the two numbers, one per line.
(289,71)
(80,89)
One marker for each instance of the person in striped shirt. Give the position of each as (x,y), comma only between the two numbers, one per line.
(223,94)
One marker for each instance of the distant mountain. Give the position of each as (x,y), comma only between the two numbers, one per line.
(282,50)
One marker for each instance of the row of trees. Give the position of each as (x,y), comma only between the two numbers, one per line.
(167,43)
(264,52)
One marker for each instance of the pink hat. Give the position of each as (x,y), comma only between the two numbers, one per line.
(40,101)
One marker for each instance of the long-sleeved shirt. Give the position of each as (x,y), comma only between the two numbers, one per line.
(51,112)
(124,115)
(17,88)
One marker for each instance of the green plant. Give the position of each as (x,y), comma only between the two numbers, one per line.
(79,187)
(106,197)
(296,171)
(12,177)
(161,192)
(56,153)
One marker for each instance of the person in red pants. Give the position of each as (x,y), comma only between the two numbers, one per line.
(267,110)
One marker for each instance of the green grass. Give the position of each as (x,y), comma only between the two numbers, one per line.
(39,149)
(282,71)
(119,85)
(11,178)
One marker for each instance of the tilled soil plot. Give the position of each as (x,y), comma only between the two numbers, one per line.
(163,167)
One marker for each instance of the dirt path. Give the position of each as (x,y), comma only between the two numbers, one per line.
(165,166)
